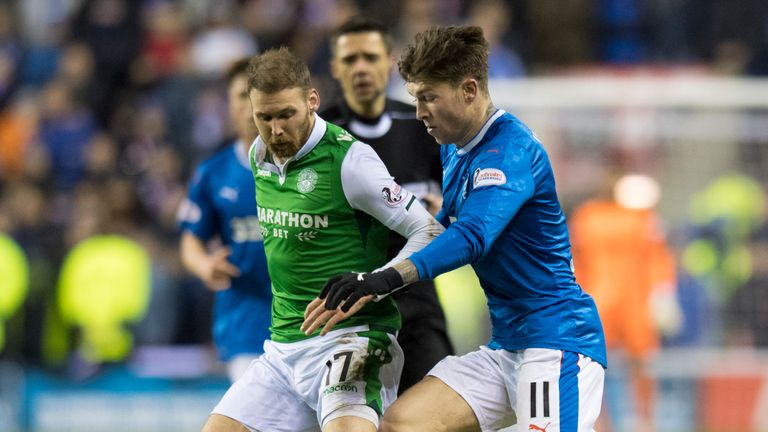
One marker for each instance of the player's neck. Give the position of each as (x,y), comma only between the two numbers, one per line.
(367,110)
(479,115)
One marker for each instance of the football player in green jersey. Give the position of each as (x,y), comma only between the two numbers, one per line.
(326,204)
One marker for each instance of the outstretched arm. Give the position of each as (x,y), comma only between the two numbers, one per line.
(213,269)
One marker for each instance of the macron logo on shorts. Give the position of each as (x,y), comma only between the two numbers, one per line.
(346,387)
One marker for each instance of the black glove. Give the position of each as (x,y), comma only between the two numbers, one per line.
(354,286)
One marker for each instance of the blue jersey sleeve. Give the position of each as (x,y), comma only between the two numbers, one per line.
(197,213)
(442,217)
(500,182)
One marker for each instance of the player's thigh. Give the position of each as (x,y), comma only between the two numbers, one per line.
(263,400)
(360,376)
(430,405)
(557,391)
(349,424)
(461,393)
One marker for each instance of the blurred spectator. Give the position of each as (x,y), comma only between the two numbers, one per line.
(10,54)
(622,260)
(44,32)
(18,127)
(418,15)
(221,41)
(623,31)
(209,121)
(31,226)
(271,23)
(726,254)
(671,31)
(494,17)
(112,29)
(76,70)
(66,128)
(561,33)
(164,50)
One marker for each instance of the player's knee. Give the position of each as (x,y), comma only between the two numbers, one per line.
(351,418)
(395,419)
(220,423)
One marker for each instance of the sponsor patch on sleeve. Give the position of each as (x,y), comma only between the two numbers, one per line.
(393,194)
(488,177)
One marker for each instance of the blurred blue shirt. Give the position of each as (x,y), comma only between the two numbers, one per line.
(221,201)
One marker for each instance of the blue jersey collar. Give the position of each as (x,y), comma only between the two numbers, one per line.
(481,133)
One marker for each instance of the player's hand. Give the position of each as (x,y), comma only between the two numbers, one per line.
(317,315)
(354,290)
(217,272)
(351,287)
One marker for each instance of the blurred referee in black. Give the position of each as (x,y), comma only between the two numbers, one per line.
(361,59)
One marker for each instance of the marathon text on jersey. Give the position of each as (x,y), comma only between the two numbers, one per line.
(291,219)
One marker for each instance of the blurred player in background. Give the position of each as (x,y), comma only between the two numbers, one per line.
(545,361)
(326,205)
(361,62)
(622,260)
(221,242)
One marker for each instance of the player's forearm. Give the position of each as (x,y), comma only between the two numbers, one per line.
(193,254)
(407,271)
(419,228)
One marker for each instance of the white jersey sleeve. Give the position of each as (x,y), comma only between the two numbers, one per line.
(370,188)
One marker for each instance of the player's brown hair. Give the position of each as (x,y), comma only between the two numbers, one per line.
(447,54)
(277,69)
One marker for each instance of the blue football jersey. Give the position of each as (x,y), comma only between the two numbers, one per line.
(221,202)
(503,217)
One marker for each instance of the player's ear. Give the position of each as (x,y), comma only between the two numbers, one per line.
(469,89)
(313,100)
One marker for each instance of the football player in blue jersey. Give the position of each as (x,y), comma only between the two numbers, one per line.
(544,364)
(221,242)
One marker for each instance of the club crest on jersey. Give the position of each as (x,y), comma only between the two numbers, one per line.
(307,180)
(488,177)
(345,136)
(393,195)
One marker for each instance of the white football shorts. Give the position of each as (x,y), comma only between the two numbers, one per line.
(547,390)
(298,386)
